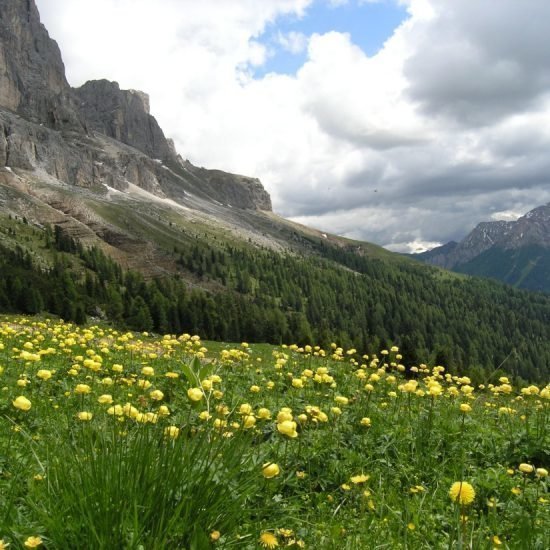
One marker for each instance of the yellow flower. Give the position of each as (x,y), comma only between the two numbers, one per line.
(542,472)
(268,540)
(465,408)
(215,535)
(22,403)
(3,544)
(82,389)
(85,415)
(361,478)
(33,542)
(245,408)
(249,421)
(44,374)
(365,421)
(462,492)
(264,414)
(195,394)
(526,468)
(516,490)
(157,395)
(270,470)
(172,431)
(148,371)
(288,428)
(105,399)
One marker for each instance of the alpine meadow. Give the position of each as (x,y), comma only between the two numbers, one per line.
(183,368)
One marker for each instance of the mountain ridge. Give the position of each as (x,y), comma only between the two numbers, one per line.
(515,252)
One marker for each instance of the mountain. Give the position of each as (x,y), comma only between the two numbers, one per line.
(515,252)
(101,218)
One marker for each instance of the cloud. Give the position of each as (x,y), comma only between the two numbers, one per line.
(447,125)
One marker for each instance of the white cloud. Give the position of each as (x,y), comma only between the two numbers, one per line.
(446,125)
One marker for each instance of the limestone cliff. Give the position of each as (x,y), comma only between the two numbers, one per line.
(97,135)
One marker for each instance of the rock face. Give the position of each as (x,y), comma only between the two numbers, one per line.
(123,115)
(94,136)
(32,74)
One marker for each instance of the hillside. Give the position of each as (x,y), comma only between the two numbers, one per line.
(101,218)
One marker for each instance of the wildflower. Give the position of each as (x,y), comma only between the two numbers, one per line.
(526,468)
(3,544)
(249,421)
(516,491)
(215,535)
(462,492)
(542,472)
(365,421)
(157,395)
(361,478)
(195,394)
(288,428)
(33,542)
(44,374)
(22,403)
(84,416)
(268,540)
(172,432)
(245,408)
(270,470)
(497,541)
(148,371)
(411,526)
(465,408)
(105,399)
(264,414)
(82,389)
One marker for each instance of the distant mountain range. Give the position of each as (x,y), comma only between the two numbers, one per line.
(515,252)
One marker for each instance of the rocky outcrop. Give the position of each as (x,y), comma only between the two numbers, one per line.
(123,115)
(97,135)
(32,74)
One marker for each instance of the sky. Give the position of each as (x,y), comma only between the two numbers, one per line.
(399,122)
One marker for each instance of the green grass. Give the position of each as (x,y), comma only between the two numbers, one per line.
(116,452)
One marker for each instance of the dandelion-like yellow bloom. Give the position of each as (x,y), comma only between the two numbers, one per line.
(84,416)
(105,399)
(268,540)
(365,421)
(462,492)
(157,395)
(361,478)
(22,403)
(542,472)
(33,542)
(44,374)
(465,408)
(526,468)
(215,535)
(172,431)
(270,470)
(82,389)
(288,428)
(195,394)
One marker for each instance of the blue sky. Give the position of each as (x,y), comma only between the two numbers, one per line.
(369,25)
